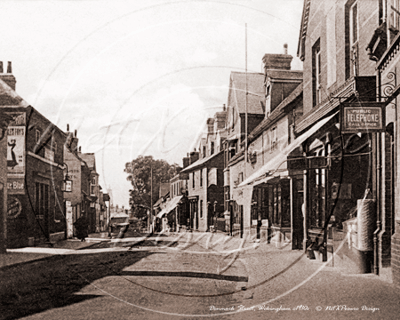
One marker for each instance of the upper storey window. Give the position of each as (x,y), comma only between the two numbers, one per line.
(351,38)
(353,24)
(316,64)
(395,15)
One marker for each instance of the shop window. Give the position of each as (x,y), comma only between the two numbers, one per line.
(227,197)
(42,201)
(316,73)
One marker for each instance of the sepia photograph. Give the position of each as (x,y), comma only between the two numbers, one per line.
(191,159)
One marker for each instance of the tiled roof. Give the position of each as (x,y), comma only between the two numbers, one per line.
(277,113)
(90,160)
(8,97)
(255,88)
(200,162)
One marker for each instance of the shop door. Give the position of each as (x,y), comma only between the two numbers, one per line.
(241,220)
(298,228)
(196,212)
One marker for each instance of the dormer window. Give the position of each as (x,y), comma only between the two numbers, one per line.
(268,100)
(38,134)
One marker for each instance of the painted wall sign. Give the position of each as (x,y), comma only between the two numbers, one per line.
(16,150)
(14,207)
(362,117)
(15,185)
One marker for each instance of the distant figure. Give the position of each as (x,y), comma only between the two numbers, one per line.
(81,226)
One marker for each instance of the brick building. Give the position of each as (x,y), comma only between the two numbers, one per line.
(35,170)
(238,105)
(342,178)
(383,49)
(205,176)
(265,191)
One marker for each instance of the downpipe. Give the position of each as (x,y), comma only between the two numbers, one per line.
(378,207)
(376,248)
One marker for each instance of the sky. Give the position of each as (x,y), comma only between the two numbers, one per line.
(138,77)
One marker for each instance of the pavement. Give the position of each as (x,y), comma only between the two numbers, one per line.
(277,277)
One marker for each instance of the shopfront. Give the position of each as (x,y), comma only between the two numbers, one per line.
(340,186)
(270,211)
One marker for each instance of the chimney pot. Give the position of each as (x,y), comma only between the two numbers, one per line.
(80,149)
(1,67)
(67,127)
(76,133)
(285,48)
(9,68)
(224,107)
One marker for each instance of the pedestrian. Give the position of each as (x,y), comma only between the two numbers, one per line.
(81,226)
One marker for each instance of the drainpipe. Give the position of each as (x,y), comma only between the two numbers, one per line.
(376,146)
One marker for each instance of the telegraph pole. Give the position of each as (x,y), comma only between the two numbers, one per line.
(245,107)
(151,195)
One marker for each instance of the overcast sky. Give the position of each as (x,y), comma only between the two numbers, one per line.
(138,77)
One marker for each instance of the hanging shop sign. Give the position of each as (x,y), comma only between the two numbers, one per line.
(362,117)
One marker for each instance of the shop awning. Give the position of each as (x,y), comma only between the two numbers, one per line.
(171,205)
(277,165)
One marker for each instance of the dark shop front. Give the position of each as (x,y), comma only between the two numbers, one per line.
(339,187)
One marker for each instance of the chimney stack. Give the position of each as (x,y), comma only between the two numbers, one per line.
(7,77)
(277,61)
(80,149)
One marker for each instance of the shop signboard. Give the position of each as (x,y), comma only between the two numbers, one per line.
(16,153)
(16,150)
(15,185)
(307,163)
(362,117)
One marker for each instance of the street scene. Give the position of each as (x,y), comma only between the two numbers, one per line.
(195,159)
